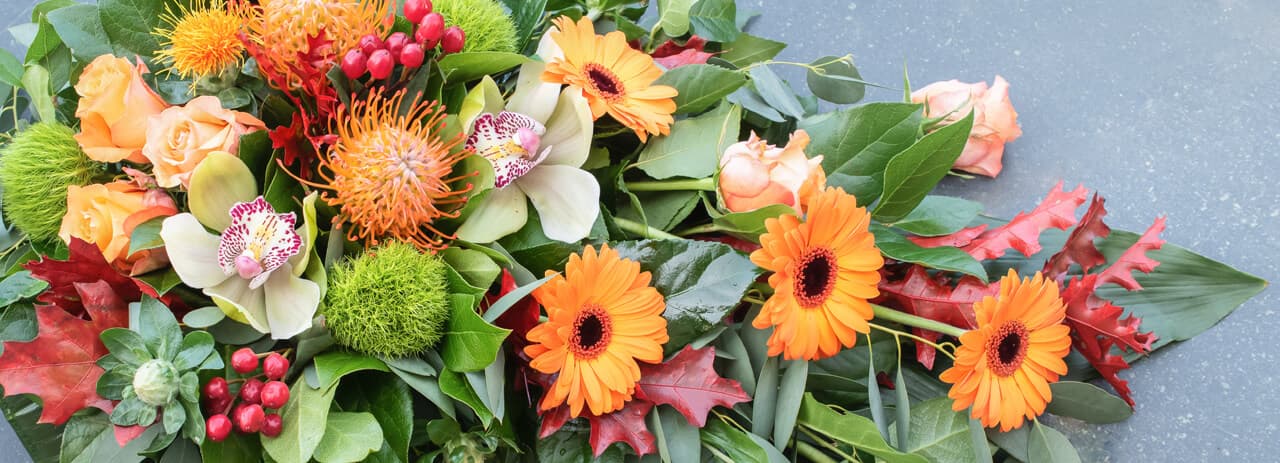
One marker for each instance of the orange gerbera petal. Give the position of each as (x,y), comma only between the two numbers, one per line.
(825,268)
(615,78)
(602,316)
(1003,367)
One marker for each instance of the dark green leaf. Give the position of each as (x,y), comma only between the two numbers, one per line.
(863,187)
(182,451)
(701,86)
(738,446)
(19,286)
(663,210)
(939,215)
(349,437)
(749,49)
(510,299)
(235,97)
(566,445)
(44,43)
(237,448)
(391,403)
(161,280)
(525,14)
(468,66)
(861,140)
(777,93)
(332,366)
(429,387)
(304,420)
(939,433)
(128,23)
(715,20)
(912,174)
(455,385)
(470,343)
(255,147)
(748,225)
(1084,401)
(835,79)
(1047,445)
(477,268)
(18,323)
(112,383)
(93,440)
(898,247)
(146,236)
(693,149)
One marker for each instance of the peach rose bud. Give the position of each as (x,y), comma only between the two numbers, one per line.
(180,137)
(755,174)
(106,216)
(994,120)
(114,106)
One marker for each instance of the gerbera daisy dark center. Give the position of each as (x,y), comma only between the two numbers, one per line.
(815,277)
(1007,348)
(605,82)
(591,332)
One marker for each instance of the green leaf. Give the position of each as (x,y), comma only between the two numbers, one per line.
(790,394)
(865,188)
(44,43)
(694,146)
(158,328)
(18,323)
(663,210)
(80,27)
(898,247)
(732,442)
(181,451)
(10,69)
(677,439)
(912,174)
(751,101)
(332,366)
(235,97)
(391,403)
(112,382)
(126,345)
(426,386)
(90,438)
(196,347)
(349,437)
(455,385)
(203,317)
(470,343)
(510,299)
(939,433)
(749,49)
(303,424)
(465,67)
(939,215)
(477,268)
(255,149)
(701,86)
(132,411)
(237,448)
(673,16)
(1086,402)
(777,93)
(714,20)
(146,236)
(854,430)
(702,282)
(36,81)
(566,445)
(128,23)
(1048,445)
(861,140)
(19,286)
(525,14)
(835,79)
(173,421)
(1014,442)
(748,225)
(161,280)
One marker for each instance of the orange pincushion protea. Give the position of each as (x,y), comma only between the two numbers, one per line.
(201,40)
(602,316)
(391,173)
(1004,367)
(825,269)
(284,29)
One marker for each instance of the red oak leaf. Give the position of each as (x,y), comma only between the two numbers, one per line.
(958,239)
(1079,248)
(626,425)
(85,264)
(672,55)
(924,296)
(1058,210)
(1135,258)
(520,318)
(689,383)
(59,364)
(553,420)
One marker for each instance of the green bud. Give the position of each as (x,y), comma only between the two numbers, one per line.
(156,382)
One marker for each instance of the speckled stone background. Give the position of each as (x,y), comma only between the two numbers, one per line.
(1165,107)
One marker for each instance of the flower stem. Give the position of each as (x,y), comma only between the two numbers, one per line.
(700,184)
(646,231)
(885,313)
(700,229)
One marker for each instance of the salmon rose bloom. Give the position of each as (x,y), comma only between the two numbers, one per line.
(755,174)
(106,215)
(994,120)
(114,107)
(180,137)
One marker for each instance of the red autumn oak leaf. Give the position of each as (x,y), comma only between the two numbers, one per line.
(958,239)
(689,383)
(1079,248)
(924,296)
(520,318)
(626,426)
(85,264)
(553,420)
(1058,210)
(1135,258)
(672,55)
(59,365)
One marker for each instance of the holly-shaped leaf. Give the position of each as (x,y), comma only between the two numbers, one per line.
(59,364)
(931,297)
(1080,248)
(689,383)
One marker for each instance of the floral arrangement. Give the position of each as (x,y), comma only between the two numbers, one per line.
(518,230)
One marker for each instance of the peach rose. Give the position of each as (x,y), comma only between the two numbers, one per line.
(106,215)
(994,120)
(755,174)
(113,110)
(181,136)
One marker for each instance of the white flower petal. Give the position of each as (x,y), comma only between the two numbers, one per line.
(234,295)
(567,200)
(569,130)
(501,213)
(291,303)
(533,97)
(192,251)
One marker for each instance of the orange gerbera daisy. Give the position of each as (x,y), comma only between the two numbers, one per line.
(602,316)
(285,29)
(825,269)
(614,77)
(201,40)
(391,174)
(1004,367)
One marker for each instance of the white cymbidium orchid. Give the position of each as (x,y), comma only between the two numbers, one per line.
(537,143)
(253,267)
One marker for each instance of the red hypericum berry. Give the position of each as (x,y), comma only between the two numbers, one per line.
(216,389)
(412,55)
(217,427)
(275,394)
(453,40)
(381,64)
(369,43)
(244,360)
(353,64)
(275,366)
(249,418)
(218,405)
(430,30)
(272,425)
(414,10)
(396,42)
(251,391)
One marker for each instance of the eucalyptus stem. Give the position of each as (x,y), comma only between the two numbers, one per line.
(885,313)
(700,184)
(813,454)
(643,230)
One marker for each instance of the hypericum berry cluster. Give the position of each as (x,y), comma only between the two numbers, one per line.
(255,397)
(379,57)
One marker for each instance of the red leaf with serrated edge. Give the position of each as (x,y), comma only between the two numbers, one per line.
(59,364)
(626,425)
(958,239)
(689,383)
(85,264)
(1058,210)
(1135,258)
(1079,248)
(924,296)
(684,58)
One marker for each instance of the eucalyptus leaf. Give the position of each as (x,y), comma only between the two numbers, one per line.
(1086,402)
(203,317)
(777,93)
(1047,445)
(835,79)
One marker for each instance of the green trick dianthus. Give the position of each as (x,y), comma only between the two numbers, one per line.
(391,301)
(36,168)
(486,24)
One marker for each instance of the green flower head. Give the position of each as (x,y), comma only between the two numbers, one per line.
(392,301)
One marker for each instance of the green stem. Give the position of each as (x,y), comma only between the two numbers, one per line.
(646,231)
(700,229)
(812,453)
(936,346)
(700,184)
(885,313)
(824,443)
